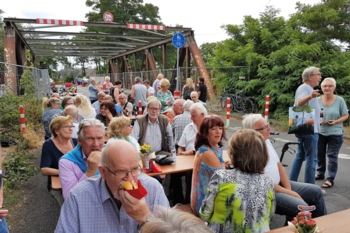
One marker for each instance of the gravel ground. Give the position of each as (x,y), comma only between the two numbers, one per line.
(37,211)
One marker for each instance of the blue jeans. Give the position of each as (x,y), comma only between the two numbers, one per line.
(3,226)
(311,194)
(307,151)
(330,146)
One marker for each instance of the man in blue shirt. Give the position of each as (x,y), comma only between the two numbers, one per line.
(98,205)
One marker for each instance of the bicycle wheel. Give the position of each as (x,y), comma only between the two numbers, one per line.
(238,104)
(248,106)
(218,104)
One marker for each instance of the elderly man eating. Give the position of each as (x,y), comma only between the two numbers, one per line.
(99,205)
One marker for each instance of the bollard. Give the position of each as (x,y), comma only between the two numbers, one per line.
(176,94)
(267,105)
(228,110)
(140,108)
(23,121)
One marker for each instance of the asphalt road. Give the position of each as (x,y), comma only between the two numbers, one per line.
(38,211)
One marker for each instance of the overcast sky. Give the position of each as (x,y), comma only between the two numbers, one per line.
(204,17)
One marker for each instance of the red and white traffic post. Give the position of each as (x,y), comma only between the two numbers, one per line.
(267,105)
(140,107)
(228,110)
(23,121)
(176,94)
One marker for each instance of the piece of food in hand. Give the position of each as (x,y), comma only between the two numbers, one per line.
(128,185)
(134,189)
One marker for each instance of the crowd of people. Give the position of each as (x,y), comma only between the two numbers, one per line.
(239,194)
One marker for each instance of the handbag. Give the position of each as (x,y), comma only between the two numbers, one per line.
(301,120)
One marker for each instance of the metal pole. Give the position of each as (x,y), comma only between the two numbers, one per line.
(177,71)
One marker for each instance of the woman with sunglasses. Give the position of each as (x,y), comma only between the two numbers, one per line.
(54,148)
(120,128)
(208,158)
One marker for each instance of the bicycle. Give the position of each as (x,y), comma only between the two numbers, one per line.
(244,103)
(219,103)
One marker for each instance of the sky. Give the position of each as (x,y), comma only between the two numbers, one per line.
(204,17)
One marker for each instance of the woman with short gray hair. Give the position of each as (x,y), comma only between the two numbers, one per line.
(330,138)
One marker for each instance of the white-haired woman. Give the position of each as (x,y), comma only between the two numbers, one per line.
(330,138)
(106,85)
(84,107)
(164,95)
(93,90)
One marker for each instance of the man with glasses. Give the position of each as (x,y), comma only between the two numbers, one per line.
(154,129)
(307,148)
(288,194)
(98,205)
(82,162)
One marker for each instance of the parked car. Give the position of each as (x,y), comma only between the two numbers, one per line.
(80,80)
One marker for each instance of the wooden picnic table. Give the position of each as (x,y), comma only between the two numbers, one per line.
(331,223)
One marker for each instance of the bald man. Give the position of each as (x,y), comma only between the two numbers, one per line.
(98,205)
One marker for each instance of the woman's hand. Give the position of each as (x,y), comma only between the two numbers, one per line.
(332,122)
(109,114)
(169,102)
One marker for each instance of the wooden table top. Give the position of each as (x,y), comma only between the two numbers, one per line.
(331,223)
(183,163)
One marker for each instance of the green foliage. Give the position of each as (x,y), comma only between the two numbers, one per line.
(10,118)
(277,51)
(69,78)
(18,169)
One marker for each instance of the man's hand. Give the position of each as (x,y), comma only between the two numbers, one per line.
(93,161)
(3,213)
(315,93)
(295,194)
(135,208)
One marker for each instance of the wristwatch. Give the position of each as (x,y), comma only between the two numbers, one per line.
(139,226)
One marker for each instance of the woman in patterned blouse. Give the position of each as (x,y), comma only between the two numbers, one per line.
(241,199)
(164,95)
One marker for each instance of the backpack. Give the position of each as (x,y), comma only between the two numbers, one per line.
(187,94)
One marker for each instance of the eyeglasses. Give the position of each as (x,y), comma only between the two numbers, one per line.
(263,128)
(327,86)
(154,109)
(316,74)
(124,173)
(68,127)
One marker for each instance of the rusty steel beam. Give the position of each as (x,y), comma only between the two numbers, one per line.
(152,62)
(10,58)
(198,61)
(78,47)
(164,55)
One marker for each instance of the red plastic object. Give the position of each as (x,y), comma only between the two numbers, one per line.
(138,193)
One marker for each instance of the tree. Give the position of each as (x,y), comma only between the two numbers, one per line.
(2,34)
(277,51)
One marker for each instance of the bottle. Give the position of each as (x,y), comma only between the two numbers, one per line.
(147,162)
(173,152)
